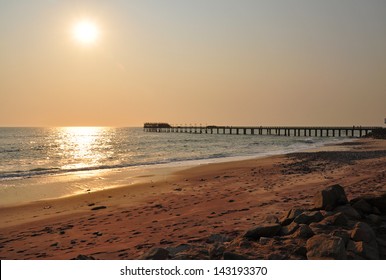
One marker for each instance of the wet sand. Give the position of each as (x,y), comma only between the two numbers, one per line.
(187,206)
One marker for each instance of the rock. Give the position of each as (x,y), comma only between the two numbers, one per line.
(98,208)
(309,217)
(233,256)
(349,211)
(382,247)
(290,216)
(352,256)
(363,232)
(301,251)
(325,246)
(218,238)
(290,229)
(362,206)
(366,250)
(330,197)
(241,242)
(376,211)
(338,219)
(382,228)
(375,219)
(216,251)
(379,202)
(83,257)
(304,231)
(156,254)
(319,228)
(178,249)
(342,234)
(267,230)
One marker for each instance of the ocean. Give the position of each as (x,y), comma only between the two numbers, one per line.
(36,152)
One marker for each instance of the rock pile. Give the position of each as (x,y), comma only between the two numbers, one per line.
(334,229)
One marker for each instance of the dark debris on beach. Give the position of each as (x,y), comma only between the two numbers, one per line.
(321,161)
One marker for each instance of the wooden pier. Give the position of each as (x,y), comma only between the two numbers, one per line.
(304,131)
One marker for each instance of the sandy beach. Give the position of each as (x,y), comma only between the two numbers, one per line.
(190,206)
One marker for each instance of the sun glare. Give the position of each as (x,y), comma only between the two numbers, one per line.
(86,32)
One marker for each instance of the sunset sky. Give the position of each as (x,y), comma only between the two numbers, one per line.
(245,62)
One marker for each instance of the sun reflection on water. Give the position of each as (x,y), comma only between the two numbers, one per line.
(83,147)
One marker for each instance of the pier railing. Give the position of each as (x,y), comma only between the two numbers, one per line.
(305,131)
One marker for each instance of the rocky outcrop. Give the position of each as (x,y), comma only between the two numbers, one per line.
(339,229)
(333,229)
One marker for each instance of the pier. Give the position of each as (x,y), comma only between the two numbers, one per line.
(304,131)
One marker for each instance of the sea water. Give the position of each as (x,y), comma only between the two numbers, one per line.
(36,152)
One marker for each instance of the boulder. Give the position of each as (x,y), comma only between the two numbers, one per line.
(375,219)
(266,230)
(301,251)
(366,250)
(319,228)
(218,238)
(330,197)
(216,251)
(379,202)
(349,211)
(362,206)
(342,234)
(290,216)
(376,211)
(382,247)
(178,249)
(363,232)
(290,229)
(376,202)
(156,254)
(339,219)
(325,246)
(308,217)
(304,231)
(241,242)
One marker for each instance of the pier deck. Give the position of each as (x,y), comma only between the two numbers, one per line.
(305,131)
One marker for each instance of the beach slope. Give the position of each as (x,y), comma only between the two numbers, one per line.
(192,211)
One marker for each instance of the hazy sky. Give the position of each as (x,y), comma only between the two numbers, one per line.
(244,62)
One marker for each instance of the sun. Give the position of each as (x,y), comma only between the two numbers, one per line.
(85,32)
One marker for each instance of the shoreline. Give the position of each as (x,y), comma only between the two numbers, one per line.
(19,191)
(183,208)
